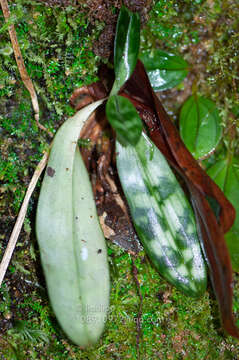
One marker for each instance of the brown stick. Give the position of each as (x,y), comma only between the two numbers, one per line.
(21,67)
(20,219)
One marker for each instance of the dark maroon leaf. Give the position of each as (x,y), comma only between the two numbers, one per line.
(217,255)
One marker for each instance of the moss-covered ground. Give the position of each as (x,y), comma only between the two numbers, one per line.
(56,44)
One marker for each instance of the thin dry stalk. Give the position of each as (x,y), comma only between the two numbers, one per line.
(21,67)
(140,311)
(20,219)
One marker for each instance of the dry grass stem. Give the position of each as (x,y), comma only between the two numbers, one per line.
(21,67)
(20,219)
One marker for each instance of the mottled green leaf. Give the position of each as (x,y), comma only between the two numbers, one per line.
(163,218)
(164,70)
(125,120)
(200,125)
(225,173)
(126,47)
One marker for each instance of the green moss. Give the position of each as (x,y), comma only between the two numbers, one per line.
(173,325)
(57,48)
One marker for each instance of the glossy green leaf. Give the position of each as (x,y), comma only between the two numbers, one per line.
(124,119)
(165,70)
(200,126)
(76,276)
(126,47)
(225,173)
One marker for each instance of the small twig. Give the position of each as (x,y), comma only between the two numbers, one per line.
(139,316)
(20,219)
(21,67)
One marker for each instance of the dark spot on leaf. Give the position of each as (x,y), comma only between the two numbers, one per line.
(185,219)
(91,216)
(67,169)
(166,187)
(99,251)
(163,223)
(50,172)
(77,218)
(83,240)
(180,240)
